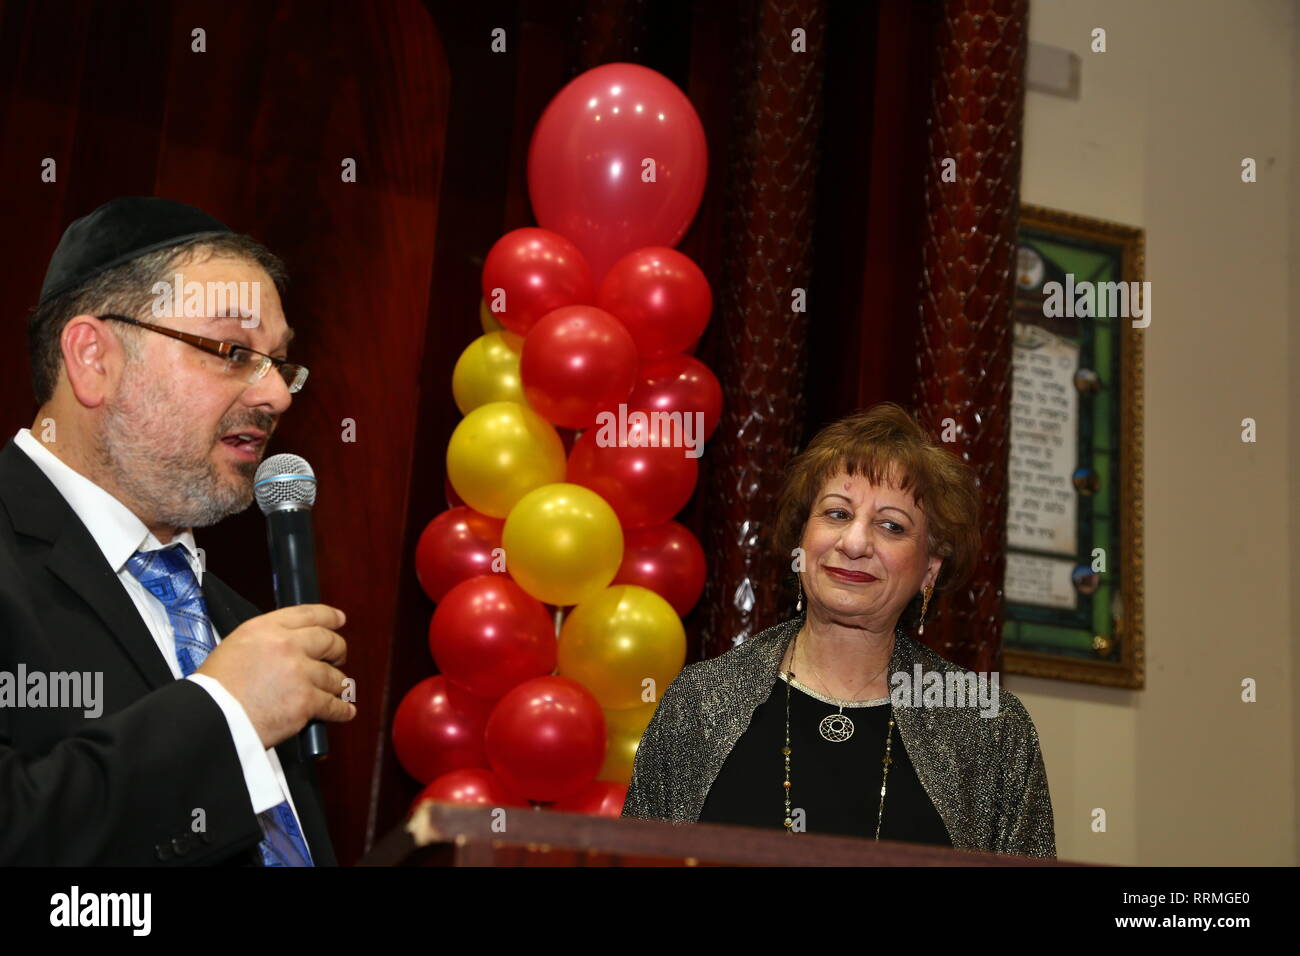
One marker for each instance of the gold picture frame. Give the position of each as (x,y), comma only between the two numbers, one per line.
(1115,656)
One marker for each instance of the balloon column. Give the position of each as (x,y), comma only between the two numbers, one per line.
(559,575)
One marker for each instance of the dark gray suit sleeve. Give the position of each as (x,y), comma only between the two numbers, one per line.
(156,783)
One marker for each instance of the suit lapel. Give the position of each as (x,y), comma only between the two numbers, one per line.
(226,609)
(38,510)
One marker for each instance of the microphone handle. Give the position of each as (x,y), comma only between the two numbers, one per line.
(293,569)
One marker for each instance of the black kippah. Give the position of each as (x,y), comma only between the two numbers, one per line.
(117,232)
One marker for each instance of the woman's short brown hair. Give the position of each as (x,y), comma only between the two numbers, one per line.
(876,442)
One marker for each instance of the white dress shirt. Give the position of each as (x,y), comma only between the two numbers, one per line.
(120,534)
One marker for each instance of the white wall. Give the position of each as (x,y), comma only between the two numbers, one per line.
(1186,772)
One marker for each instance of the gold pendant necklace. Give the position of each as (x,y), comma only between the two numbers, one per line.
(837,728)
(831,723)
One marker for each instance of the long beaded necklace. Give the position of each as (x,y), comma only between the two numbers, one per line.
(834,733)
(830,728)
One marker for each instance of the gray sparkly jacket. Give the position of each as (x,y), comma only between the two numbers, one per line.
(985,775)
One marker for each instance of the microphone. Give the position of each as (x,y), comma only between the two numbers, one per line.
(285,488)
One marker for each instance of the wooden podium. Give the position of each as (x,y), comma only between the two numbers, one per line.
(447,834)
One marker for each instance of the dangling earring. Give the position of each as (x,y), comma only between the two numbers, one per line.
(799,604)
(929,588)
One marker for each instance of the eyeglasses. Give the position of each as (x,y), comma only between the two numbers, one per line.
(247,363)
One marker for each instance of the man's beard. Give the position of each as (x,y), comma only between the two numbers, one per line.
(168,476)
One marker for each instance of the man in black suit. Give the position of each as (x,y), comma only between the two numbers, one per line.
(148,713)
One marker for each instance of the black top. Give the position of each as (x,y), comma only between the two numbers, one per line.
(836,784)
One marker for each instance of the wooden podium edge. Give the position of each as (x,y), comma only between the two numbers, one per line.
(438,832)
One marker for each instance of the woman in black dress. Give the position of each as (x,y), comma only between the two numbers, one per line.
(812,725)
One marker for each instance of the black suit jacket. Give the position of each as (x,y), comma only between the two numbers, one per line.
(129,786)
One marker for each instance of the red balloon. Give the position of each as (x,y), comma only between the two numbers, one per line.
(661,296)
(438,728)
(666,559)
(474,786)
(577,361)
(604,798)
(644,485)
(545,738)
(586,163)
(488,634)
(455,546)
(539,272)
(679,383)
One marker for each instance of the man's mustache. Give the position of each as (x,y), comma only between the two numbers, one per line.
(263,423)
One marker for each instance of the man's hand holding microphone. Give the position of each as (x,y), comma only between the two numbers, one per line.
(283,668)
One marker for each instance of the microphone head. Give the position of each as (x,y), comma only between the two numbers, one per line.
(284,482)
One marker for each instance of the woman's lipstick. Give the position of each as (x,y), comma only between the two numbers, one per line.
(860,577)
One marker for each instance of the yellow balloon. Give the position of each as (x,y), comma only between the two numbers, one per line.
(563,543)
(488,371)
(616,640)
(499,453)
(487,319)
(624,729)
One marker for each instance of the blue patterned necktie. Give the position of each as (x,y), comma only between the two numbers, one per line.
(167,575)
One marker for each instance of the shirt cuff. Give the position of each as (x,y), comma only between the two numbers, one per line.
(263,789)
